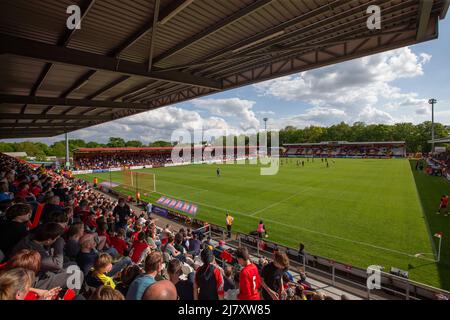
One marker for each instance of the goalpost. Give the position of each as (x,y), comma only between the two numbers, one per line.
(142,182)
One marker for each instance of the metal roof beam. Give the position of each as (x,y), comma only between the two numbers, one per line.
(166,12)
(425,7)
(444,9)
(15,116)
(213,28)
(51,53)
(8,133)
(6,98)
(85,6)
(47,126)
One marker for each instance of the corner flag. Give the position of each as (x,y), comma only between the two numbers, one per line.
(438,235)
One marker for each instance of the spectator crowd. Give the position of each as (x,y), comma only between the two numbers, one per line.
(61,239)
(119,160)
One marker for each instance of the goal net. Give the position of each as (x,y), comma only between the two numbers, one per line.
(141,182)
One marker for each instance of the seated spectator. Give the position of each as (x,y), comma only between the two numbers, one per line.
(15,284)
(303,280)
(127,276)
(178,243)
(88,255)
(152,240)
(140,249)
(152,267)
(169,248)
(48,242)
(73,236)
(118,242)
(161,290)
(106,293)
(220,248)
(99,274)
(5,195)
(184,287)
(208,284)
(194,245)
(59,217)
(13,229)
(45,285)
(52,205)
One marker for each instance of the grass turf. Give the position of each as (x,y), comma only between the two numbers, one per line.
(361,212)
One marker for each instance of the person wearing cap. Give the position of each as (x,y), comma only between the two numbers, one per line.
(208,281)
(219,249)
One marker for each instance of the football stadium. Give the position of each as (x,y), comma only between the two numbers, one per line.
(121,180)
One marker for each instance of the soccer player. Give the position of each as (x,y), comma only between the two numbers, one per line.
(229,220)
(443,205)
(218,172)
(249,278)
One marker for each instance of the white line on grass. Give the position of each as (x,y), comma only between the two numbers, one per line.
(304,229)
(277,203)
(186,186)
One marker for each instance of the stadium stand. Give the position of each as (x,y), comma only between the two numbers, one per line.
(104,238)
(104,158)
(344,149)
(119,249)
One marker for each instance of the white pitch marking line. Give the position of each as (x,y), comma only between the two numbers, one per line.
(301,228)
(277,203)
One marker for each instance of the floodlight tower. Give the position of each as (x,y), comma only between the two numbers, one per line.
(265,123)
(432,102)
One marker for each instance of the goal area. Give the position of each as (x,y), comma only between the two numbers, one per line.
(142,182)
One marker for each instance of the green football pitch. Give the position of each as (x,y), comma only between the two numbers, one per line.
(357,211)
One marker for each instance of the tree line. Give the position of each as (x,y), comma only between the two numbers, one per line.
(416,137)
(41,150)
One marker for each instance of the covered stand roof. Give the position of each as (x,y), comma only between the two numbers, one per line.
(442,140)
(345,143)
(133,56)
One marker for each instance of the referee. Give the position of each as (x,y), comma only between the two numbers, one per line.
(229,220)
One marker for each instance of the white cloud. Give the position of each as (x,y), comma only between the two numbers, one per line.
(233,107)
(356,88)
(154,125)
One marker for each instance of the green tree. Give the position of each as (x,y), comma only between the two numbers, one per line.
(114,142)
(133,143)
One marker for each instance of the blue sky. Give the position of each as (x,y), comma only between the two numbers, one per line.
(384,88)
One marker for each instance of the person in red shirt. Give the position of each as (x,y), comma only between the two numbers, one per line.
(139,249)
(249,278)
(443,205)
(24,191)
(118,242)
